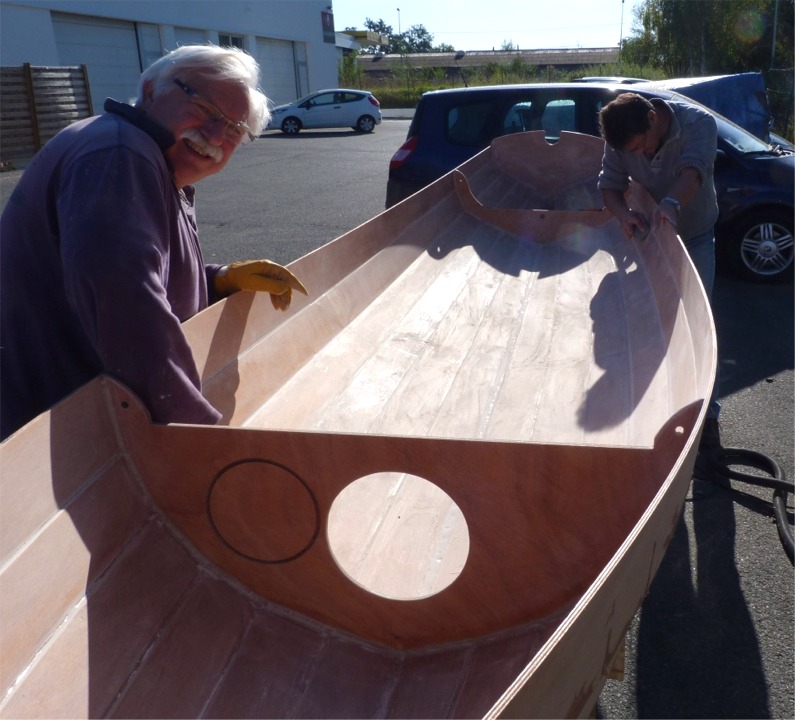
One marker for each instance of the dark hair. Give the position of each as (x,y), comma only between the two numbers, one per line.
(623,118)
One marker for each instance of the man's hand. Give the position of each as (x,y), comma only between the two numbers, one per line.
(668,210)
(634,224)
(259,276)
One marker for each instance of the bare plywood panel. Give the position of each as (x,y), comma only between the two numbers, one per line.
(442,486)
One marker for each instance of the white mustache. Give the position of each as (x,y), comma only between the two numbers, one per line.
(201,145)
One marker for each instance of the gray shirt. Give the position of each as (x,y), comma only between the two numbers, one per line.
(691,141)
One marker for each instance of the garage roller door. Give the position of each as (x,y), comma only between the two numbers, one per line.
(189,36)
(108,48)
(277,68)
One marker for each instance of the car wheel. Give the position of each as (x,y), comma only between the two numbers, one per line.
(291,126)
(365,124)
(761,248)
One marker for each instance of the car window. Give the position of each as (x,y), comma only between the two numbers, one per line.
(350,97)
(550,115)
(740,139)
(519,118)
(474,124)
(559,115)
(470,124)
(325,99)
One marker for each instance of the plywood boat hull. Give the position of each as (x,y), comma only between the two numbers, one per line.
(487,367)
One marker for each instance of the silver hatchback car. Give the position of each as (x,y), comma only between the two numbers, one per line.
(356,109)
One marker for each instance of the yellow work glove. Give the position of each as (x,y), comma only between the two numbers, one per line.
(260,276)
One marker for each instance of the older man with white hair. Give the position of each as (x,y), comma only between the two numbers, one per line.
(100,260)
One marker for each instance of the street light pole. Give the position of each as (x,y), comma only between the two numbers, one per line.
(775,32)
(402,52)
(460,56)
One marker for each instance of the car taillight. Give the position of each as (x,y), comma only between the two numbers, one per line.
(372,99)
(403,153)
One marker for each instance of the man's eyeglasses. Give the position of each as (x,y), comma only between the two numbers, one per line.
(235,131)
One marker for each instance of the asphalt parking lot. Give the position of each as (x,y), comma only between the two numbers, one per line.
(714,638)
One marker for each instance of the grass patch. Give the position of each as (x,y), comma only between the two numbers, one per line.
(403,88)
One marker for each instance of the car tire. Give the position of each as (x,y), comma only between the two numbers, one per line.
(291,126)
(365,124)
(761,246)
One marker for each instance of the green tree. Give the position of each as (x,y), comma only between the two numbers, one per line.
(642,49)
(416,39)
(350,73)
(380,27)
(706,37)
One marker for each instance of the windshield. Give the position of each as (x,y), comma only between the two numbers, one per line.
(739,138)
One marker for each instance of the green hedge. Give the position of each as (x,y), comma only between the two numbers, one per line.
(403,89)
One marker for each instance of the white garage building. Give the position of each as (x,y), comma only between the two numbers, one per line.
(293,40)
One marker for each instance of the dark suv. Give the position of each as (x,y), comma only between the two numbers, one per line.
(754,180)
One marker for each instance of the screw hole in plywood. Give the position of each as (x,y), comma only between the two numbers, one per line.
(398,536)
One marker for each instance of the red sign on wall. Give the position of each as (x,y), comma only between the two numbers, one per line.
(327,19)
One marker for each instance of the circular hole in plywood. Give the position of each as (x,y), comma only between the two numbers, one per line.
(398,536)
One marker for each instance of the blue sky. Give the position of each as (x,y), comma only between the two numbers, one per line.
(487,24)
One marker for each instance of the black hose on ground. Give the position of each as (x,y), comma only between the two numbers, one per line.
(715,464)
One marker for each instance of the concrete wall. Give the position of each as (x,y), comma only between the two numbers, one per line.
(26,32)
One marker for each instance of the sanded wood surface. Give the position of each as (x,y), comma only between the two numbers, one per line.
(441,488)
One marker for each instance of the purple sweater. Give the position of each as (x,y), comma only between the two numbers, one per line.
(99,265)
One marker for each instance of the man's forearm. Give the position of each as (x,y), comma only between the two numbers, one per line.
(686,185)
(615,203)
